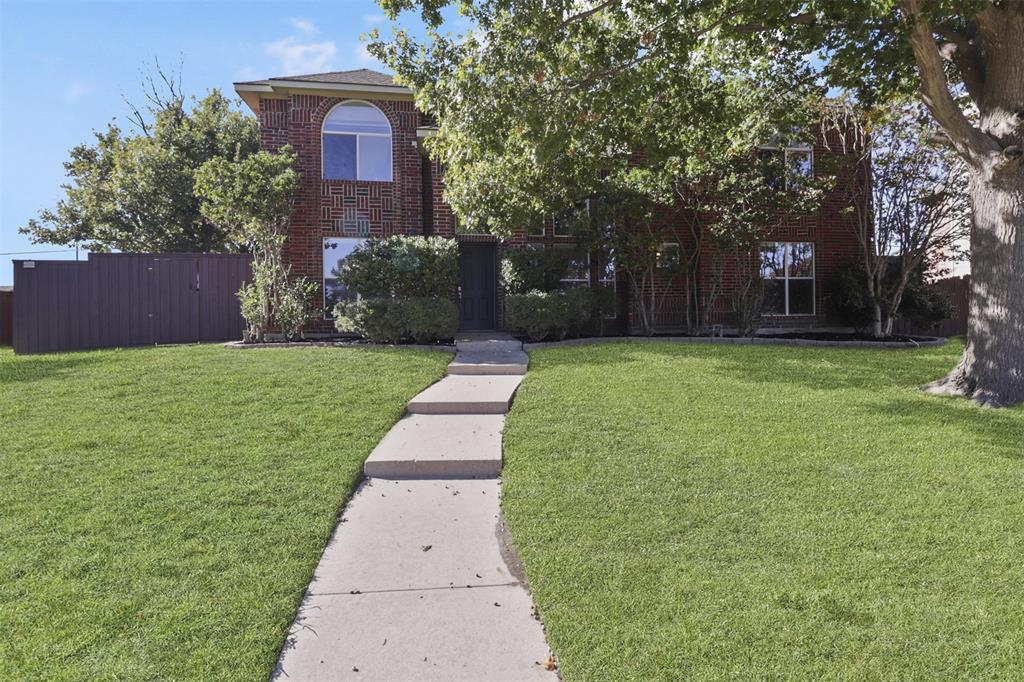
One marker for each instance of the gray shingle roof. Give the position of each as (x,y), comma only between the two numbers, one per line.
(353,77)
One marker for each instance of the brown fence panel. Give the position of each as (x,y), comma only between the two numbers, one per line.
(957,290)
(6,315)
(127,299)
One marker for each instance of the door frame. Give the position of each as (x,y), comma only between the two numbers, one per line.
(491,246)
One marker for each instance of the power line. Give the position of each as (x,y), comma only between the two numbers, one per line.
(28,253)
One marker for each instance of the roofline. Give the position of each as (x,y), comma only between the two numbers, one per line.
(251,91)
(348,87)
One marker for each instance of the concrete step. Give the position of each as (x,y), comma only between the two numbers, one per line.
(489,346)
(439,446)
(489,362)
(458,394)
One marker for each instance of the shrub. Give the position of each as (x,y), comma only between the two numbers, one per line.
(538,314)
(527,270)
(294,309)
(384,320)
(848,301)
(429,319)
(587,308)
(402,267)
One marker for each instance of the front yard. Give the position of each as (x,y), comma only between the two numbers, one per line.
(696,512)
(162,510)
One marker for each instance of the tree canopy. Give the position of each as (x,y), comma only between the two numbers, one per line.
(539,102)
(134,191)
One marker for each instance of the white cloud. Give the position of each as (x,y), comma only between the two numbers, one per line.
(76,90)
(299,57)
(304,26)
(364,57)
(374,19)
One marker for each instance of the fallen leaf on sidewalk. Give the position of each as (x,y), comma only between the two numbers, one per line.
(426,548)
(549,663)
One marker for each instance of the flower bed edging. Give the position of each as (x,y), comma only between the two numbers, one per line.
(751,341)
(339,344)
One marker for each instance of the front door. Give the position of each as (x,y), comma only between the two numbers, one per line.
(478,286)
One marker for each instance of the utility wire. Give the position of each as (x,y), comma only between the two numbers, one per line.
(27,253)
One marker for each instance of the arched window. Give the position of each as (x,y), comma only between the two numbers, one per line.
(356,143)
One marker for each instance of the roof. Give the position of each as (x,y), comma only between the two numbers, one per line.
(352,77)
(355,80)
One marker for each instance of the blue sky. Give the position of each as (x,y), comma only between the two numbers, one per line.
(66,66)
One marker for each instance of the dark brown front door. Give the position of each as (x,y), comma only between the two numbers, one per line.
(478,287)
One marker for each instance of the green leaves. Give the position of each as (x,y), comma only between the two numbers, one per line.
(136,192)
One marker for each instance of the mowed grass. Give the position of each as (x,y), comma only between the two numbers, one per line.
(162,510)
(691,512)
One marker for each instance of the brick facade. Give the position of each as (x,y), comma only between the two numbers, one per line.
(412,203)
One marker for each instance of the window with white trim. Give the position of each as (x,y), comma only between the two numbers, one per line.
(577,271)
(562,224)
(787,274)
(356,143)
(335,250)
(787,165)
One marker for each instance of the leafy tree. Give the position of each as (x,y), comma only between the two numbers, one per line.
(135,192)
(909,203)
(538,95)
(250,199)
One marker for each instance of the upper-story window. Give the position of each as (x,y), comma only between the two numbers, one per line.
(787,165)
(356,143)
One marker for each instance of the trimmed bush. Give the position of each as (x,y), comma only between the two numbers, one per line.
(392,320)
(402,267)
(538,314)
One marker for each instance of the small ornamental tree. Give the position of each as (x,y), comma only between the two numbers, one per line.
(910,204)
(252,199)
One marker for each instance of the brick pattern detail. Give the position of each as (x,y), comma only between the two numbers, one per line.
(343,208)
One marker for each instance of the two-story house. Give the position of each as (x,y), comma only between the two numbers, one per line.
(358,137)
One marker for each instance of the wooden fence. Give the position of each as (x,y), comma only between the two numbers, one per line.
(113,300)
(957,290)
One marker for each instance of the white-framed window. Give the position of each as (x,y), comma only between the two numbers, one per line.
(787,274)
(562,224)
(335,250)
(577,272)
(536,230)
(790,164)
(606,269)
(668,256)
(356,143)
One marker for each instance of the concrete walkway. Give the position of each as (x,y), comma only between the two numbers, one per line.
(417,581)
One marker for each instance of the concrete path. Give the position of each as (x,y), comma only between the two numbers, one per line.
(417,581)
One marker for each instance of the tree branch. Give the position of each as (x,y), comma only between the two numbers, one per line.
(968,140)
(966,57)
(573,18)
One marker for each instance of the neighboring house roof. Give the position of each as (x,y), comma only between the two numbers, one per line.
(354,81)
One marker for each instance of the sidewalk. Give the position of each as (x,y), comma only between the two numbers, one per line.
(417,582)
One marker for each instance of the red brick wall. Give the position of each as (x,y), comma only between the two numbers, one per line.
(394,207)
(397,207)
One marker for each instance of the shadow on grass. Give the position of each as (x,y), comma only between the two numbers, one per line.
(24,369)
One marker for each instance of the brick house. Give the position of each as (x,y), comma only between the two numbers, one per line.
(358,137)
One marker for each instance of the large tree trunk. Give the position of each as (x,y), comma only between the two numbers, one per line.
(992,368)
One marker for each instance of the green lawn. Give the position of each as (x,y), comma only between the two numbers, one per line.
(162,510)
(694,512)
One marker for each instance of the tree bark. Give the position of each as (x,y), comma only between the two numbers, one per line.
(991,370)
